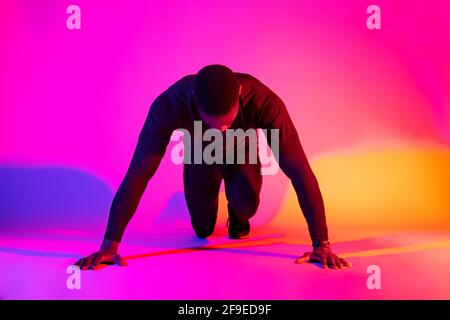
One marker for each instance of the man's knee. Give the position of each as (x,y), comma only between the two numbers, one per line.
(203,227)
(203,232)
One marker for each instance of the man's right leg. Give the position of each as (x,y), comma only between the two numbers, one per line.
(201,190)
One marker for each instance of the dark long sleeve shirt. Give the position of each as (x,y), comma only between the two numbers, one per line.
(259,107)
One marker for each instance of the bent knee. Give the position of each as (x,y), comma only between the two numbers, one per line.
(203,233)
(203,230)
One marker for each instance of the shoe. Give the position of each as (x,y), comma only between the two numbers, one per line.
(238,229)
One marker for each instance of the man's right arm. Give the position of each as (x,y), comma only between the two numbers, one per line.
(151,146)
(143,165)
(154,137)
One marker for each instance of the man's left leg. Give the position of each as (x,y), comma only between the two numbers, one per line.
(242,188)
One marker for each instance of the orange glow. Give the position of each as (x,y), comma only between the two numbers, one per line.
(379,189)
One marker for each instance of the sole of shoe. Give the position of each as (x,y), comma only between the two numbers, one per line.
(237,237)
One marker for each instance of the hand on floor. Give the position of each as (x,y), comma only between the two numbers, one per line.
(326,257)
(99,259)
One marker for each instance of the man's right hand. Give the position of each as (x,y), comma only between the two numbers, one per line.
(106,256)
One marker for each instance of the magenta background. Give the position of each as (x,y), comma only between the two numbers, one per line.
(72,103)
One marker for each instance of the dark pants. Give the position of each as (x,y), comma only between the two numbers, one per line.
(201,189)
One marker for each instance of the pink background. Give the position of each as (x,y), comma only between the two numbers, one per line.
(372,108)
(72,103)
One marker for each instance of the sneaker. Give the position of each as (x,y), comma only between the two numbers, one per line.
(238,229)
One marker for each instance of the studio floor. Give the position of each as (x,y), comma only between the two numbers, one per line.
(413,265)
(394,217)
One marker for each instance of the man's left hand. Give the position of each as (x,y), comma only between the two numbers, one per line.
(325,257)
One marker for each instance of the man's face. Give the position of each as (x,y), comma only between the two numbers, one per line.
(221,122)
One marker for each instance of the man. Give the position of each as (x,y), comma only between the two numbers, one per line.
(222,100)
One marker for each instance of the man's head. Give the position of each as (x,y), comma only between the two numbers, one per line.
(216,93)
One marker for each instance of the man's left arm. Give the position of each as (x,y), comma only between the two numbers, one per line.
(294,163)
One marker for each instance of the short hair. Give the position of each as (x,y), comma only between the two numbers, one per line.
(216,90)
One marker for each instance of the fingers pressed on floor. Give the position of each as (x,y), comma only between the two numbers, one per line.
(323,261)
(331,262)
(304,258)
(346,263)
(78,262)
(98,259)
(338,263)
(87,263)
